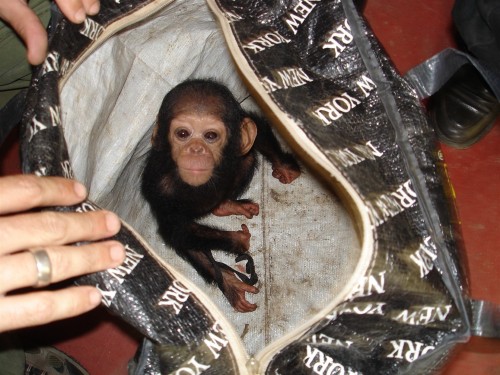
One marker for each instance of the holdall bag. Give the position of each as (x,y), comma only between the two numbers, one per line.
(316,68)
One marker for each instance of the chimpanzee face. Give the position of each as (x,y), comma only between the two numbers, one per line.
(197,141)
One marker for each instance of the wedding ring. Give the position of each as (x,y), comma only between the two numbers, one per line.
(43,267)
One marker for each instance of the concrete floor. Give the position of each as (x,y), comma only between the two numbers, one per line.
(411,31)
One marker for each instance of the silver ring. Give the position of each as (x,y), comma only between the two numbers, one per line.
(43,267)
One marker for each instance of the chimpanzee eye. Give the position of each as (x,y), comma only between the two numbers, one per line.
(182,133)
(211,136)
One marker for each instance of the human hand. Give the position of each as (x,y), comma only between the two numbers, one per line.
(23,229)
(24,21)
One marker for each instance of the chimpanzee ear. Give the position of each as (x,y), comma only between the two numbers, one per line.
(154,137)
(248,134)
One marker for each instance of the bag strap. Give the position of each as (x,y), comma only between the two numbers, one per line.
(485,320)
(429,76)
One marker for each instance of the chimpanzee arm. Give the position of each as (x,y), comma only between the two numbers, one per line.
(243,207)
(194,243)
(183,236)
(237,242)
(285,167)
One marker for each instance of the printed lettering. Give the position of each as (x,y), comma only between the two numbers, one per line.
(86,207)
(335,108)
(216,343)
(42,171)
(265,41)
(294,21)
(327,113)
(91,29)
(292,77)
(195,368)
(335,46)
(383,208)
(339,39)
(55,115)
(231,16)
(107,296)
(387,206)
(65,65)
(366,85)
(358,308)
(51,63)
(54,63)
(324,339)
(440,313)
(345,157)
(405,195)
(67,170)
(322,364)
(356,154)
(269,85)
(418,315)
(175,296)
(425,256)
(300,12)
(368,285)
(132,259)
(408,350)
(375,151)
(35,127)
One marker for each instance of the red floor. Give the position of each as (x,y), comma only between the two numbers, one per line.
(410,31)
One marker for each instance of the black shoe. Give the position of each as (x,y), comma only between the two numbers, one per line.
(50,361)
(464,110)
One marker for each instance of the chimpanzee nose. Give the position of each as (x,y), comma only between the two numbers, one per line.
(196,147)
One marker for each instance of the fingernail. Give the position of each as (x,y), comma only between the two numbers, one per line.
(80,190)
(95,297)
(117,253)
(80,15)
(94,8)
(112,222)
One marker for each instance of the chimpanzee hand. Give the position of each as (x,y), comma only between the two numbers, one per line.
(239,207)
(241,240)
(285,172)
(235,289)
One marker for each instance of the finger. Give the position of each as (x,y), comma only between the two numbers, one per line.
(76,10)
(244,306)
(28,26)
(92,7)
(50,228)
(43,307)
(249,288)
(24,192)
(19,270)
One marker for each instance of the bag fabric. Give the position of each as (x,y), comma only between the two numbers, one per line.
(337,100)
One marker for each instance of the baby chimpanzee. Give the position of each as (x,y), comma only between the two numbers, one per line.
(203,158)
